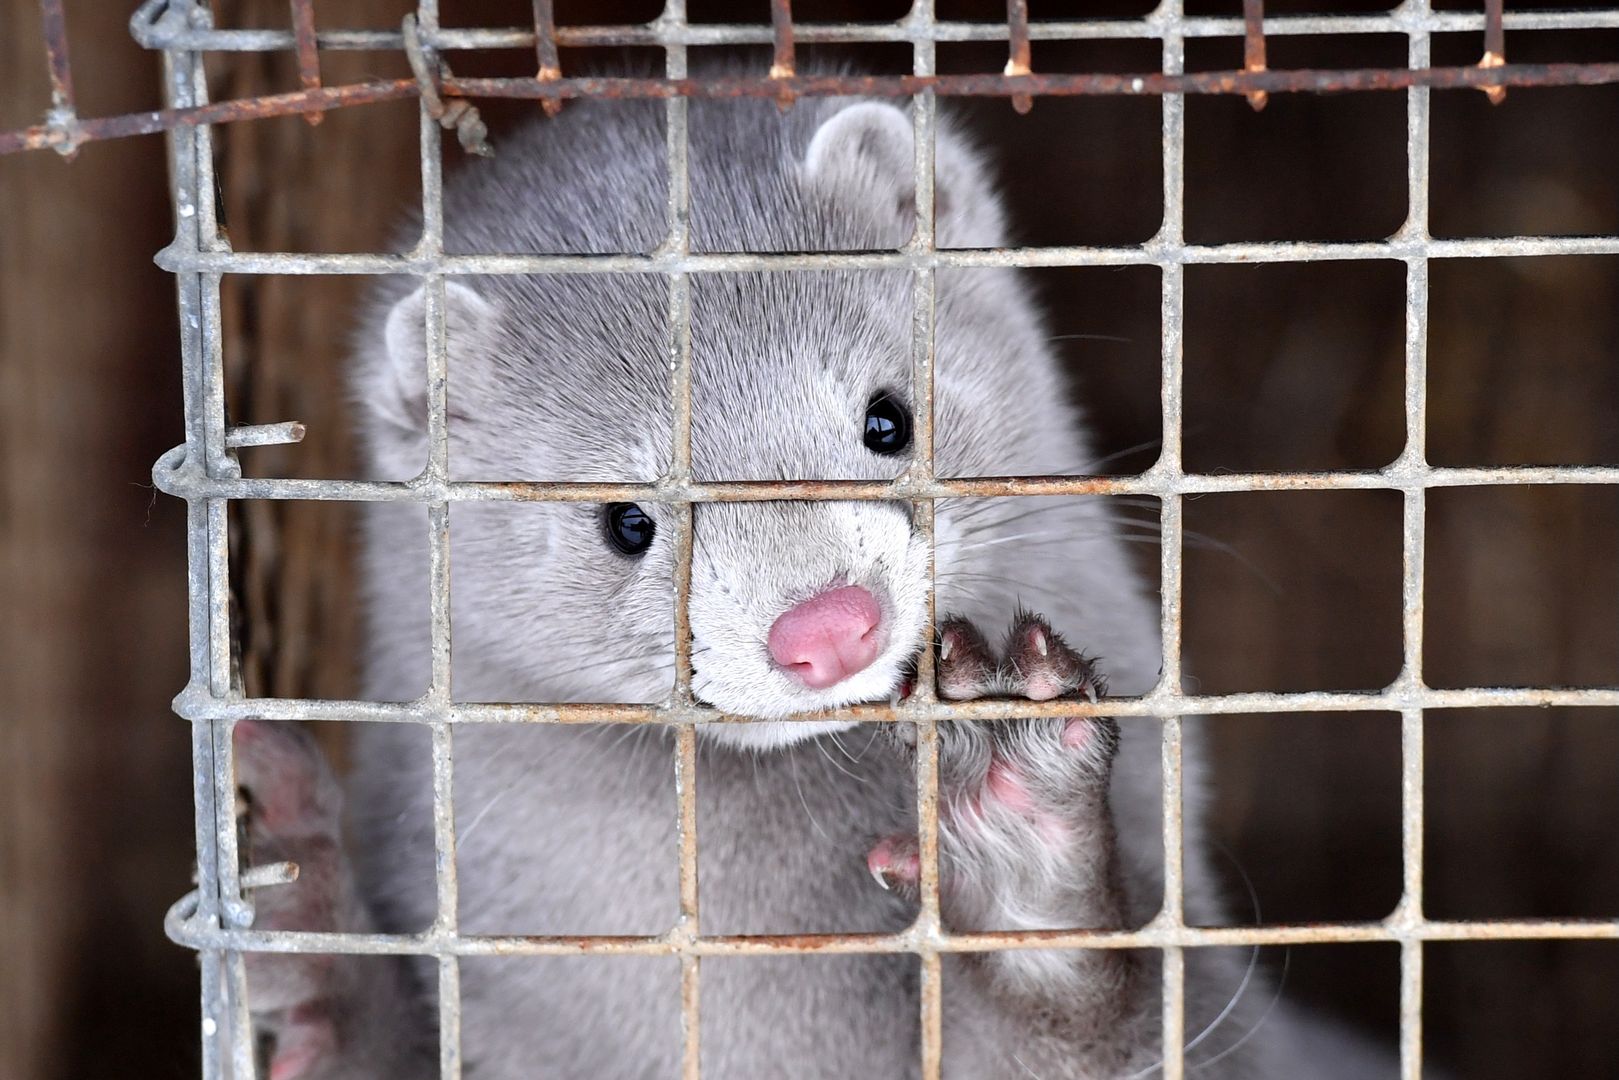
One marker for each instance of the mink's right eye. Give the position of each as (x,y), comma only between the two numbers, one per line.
(887,426)
(629,528)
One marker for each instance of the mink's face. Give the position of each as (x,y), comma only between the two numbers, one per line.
(796,375)
(806,605)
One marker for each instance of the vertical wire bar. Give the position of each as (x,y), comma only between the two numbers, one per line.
(783,62)
(449,1035)
(437,473)
(447,921)
(244,1046)
(1017,38)
(178,70)
(224,991)
(1174,958)
(1253,46)
(427,20)
(931,1001)
(1171,235)
(1495,39)
(1414,464)
(924,304)
(303,38)
(677,240)
(1495,47)
(545,40)
(690,970)
(549,67)
(1409,913)
(924,108)
(220,460)
(53,28)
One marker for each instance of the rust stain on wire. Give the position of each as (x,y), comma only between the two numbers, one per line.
(1321,81)
(1152,84)
(545,51)
(303,34)
(47,136)
(53,27)
(62,121)
(1017,37)
(183,928)
(1253,47)
(784,61)
(1495,48)
(459,116)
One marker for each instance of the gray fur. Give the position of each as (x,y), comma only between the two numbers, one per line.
(572,830)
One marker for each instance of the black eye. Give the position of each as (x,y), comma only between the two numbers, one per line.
(888,426)
(629,528)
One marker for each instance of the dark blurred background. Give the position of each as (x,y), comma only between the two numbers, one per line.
(1287,367)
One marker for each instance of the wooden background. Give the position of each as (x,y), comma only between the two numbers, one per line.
(1287,367)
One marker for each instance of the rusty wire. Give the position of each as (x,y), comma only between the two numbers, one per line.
(1253,47)
(303,34)
(1017,39)
(53,27)
(62,118)
(545,51)
(1490,76)
(155,26)
(784,62)
(216,918)
(1495,47)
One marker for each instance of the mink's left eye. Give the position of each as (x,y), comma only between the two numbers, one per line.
(629,528)
(888,425)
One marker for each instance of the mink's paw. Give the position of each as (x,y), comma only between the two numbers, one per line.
(1041,771)
(1022,803)
(289,809)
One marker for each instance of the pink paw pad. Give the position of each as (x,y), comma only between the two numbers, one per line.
(1006,785)
(1076,733)
(310,1039)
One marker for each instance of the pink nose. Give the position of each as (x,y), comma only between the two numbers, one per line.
(829,637)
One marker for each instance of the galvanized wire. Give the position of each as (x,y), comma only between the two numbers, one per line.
(216,917)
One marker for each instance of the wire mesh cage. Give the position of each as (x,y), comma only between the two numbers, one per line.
(216,919)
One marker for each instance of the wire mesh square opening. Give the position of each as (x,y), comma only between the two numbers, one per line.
(217,919)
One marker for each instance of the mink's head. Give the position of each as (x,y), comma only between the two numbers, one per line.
(795,606)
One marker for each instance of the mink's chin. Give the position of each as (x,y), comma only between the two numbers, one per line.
(897,685)
(770,734)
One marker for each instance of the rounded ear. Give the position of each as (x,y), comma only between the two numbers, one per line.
(396,387)
(862,158)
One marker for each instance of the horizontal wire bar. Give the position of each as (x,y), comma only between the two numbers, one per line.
(654,34)
(195,704)
(200,935)
(281,434)
(1149,254)
(65,135)
(185,482)
(1050,84)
